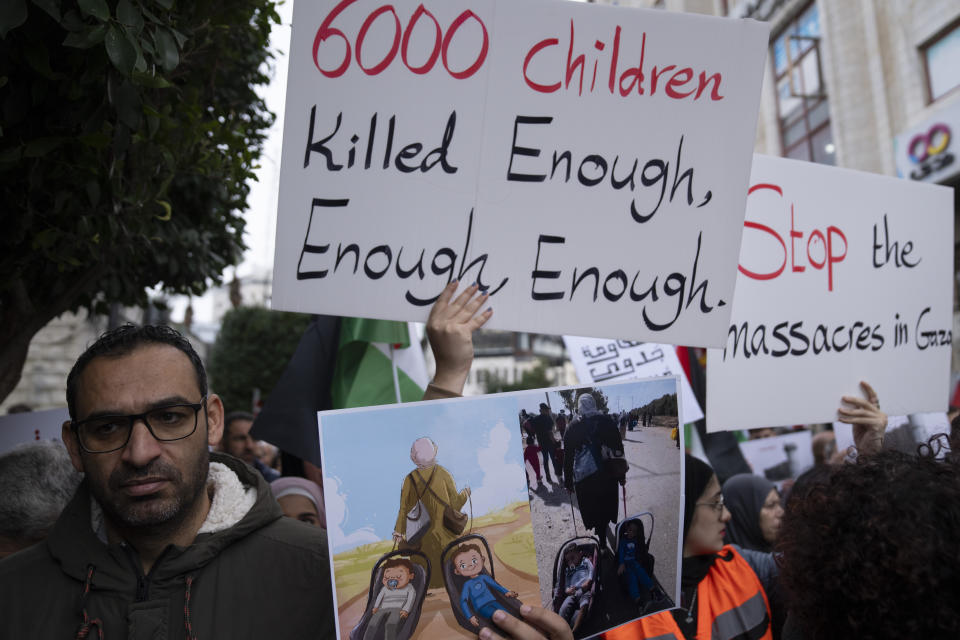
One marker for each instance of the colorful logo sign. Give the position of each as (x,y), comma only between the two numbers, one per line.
(929,151)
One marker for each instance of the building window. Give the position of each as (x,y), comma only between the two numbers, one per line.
(803,110)
(941,56)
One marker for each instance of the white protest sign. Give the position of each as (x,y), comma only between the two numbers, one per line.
(904,433)
(779,458)
(844,276)
(602,360)
(586,164)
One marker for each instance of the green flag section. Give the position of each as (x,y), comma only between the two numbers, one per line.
(364,371)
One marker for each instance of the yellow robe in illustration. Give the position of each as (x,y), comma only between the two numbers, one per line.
(437,536)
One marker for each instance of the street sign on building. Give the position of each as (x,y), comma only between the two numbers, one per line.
(930,152)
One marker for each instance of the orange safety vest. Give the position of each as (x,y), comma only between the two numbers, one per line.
(657,626)
(731,603)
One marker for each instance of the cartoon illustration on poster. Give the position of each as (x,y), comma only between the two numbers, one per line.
(429,509)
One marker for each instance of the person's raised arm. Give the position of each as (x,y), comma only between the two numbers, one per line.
(869,423)
(450,330)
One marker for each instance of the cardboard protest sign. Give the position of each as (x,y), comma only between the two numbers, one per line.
(779,458)
(386,505)
(602,360)
(844,276)
(586,165)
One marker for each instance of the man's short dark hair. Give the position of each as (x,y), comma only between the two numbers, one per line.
(232,417)
(124,340)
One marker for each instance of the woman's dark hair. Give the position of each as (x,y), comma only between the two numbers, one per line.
(872,549)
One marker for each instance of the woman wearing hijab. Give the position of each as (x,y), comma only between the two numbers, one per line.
(583,469)
(722,586)
(754,504)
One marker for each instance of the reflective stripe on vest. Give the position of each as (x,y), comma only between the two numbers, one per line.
(731,603)
(657,626)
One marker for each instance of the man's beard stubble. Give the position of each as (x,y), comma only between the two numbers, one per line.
(165,512)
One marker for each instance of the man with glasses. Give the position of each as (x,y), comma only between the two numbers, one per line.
(163,538)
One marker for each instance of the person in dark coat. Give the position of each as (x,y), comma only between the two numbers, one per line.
(584,471)
(543,429)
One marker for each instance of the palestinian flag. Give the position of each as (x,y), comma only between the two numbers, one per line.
(378,362)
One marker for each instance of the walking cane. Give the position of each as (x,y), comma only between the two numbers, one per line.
(623,490)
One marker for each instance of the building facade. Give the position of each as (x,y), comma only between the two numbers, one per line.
(872,85)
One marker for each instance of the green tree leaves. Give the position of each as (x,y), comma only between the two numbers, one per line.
(128,132)
(251,352)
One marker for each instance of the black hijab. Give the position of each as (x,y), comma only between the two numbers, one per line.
(744,495)
(697,476)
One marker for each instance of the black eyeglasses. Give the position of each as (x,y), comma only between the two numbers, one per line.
(103,434)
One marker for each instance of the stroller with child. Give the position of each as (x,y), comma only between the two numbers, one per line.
(654,597)
(454,582)
(589,547)
(421,578)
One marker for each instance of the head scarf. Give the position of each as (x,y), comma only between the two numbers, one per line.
(587,405)
(309,489)
(697,476)
(423,453)
(744,495)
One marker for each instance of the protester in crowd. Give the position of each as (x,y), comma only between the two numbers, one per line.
(754,505)
(37,480)
(824,446)
(300,499)
(596,487)
(543,429)
(163,537)
(431,488)
(891,565)
(238,442)
(269,455)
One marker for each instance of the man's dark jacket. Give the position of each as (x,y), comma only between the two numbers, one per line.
(265,577)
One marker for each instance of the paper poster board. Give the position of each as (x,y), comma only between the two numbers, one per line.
(586,164)
(844,276)
(904,433)
(518,526)
(779,458)
(30,426)
(603,360)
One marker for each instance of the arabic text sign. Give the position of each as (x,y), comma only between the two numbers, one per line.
(844,276)
(588,165)
(600,360)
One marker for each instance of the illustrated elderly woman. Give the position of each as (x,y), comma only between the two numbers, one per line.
(433,487)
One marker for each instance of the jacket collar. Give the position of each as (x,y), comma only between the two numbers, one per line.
(75,545)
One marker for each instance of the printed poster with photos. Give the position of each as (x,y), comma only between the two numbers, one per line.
(441,512)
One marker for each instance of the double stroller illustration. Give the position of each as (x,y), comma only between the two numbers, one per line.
(374,625)
(653,596)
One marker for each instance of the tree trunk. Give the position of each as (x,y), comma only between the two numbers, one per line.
(22,317)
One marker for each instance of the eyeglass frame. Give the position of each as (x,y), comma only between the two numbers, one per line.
(133,418)
(717,506)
